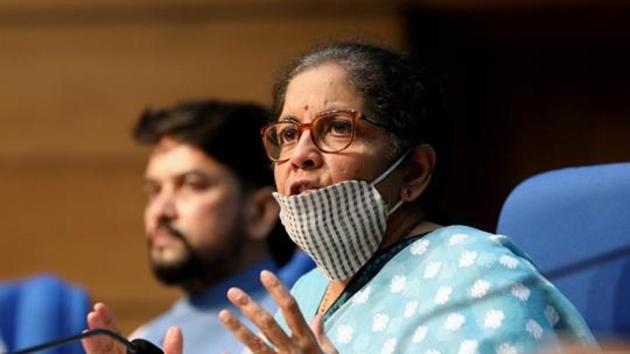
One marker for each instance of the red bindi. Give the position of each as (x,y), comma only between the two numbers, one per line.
(306,107)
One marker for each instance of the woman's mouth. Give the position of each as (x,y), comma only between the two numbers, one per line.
(302,187)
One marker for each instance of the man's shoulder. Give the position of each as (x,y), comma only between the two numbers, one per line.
(201,329)
(183,313)
(155,328)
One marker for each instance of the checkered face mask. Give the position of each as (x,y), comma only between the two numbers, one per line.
(340,226)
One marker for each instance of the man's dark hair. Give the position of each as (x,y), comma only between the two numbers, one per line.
(395,90)
(228,132)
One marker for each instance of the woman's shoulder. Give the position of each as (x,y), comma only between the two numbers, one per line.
(462,255)
(444,243)
(462,276)
(309,288)
(462,236)
(458,234)
(313,277)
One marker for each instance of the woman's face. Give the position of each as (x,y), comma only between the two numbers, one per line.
(318,90)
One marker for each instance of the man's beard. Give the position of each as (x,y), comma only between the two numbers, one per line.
(192,266)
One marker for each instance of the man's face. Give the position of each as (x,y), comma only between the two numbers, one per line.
(192,213)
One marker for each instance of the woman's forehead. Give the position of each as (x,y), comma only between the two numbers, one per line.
(320,89)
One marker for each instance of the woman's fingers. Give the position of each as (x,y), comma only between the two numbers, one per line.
(100,317)
(247,337)
(107,319)
(173,341)
(302,339)
(301,333)
(287,304)
(260,317)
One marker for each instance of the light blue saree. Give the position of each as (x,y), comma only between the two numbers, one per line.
(454,290)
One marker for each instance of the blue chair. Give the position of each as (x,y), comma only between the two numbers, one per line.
(41,309)
(575,224)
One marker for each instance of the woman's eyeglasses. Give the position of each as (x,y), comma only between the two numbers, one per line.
(331,131)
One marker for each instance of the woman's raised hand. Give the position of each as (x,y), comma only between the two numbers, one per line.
(101,317)
(302,339)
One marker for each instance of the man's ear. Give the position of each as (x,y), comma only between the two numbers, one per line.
(420,166)
(261,213)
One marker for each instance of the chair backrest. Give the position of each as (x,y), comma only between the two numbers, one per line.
(579,216)
(41,309)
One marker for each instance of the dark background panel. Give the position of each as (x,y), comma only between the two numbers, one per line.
(527,90)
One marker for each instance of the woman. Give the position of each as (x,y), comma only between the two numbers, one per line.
(353,148)
(353,159)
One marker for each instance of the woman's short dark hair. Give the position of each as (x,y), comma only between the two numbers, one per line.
(395,90)
(228,132)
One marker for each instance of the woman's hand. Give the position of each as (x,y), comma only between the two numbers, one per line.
(173,341)
(101,317)
(303,339)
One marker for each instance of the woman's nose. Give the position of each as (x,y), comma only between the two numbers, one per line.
(306,155)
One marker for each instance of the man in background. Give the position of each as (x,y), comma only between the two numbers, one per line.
(210,219)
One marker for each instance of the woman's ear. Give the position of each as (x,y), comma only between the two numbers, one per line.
(261,213)
(418,173)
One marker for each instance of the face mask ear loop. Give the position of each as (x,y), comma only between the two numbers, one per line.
(395,207)
(391,168)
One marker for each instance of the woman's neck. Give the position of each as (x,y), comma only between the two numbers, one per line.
(408,221)
(333,291)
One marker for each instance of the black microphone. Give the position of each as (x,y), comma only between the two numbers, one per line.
(136,346)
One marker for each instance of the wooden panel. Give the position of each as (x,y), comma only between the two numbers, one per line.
(71,90)
(87,85)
